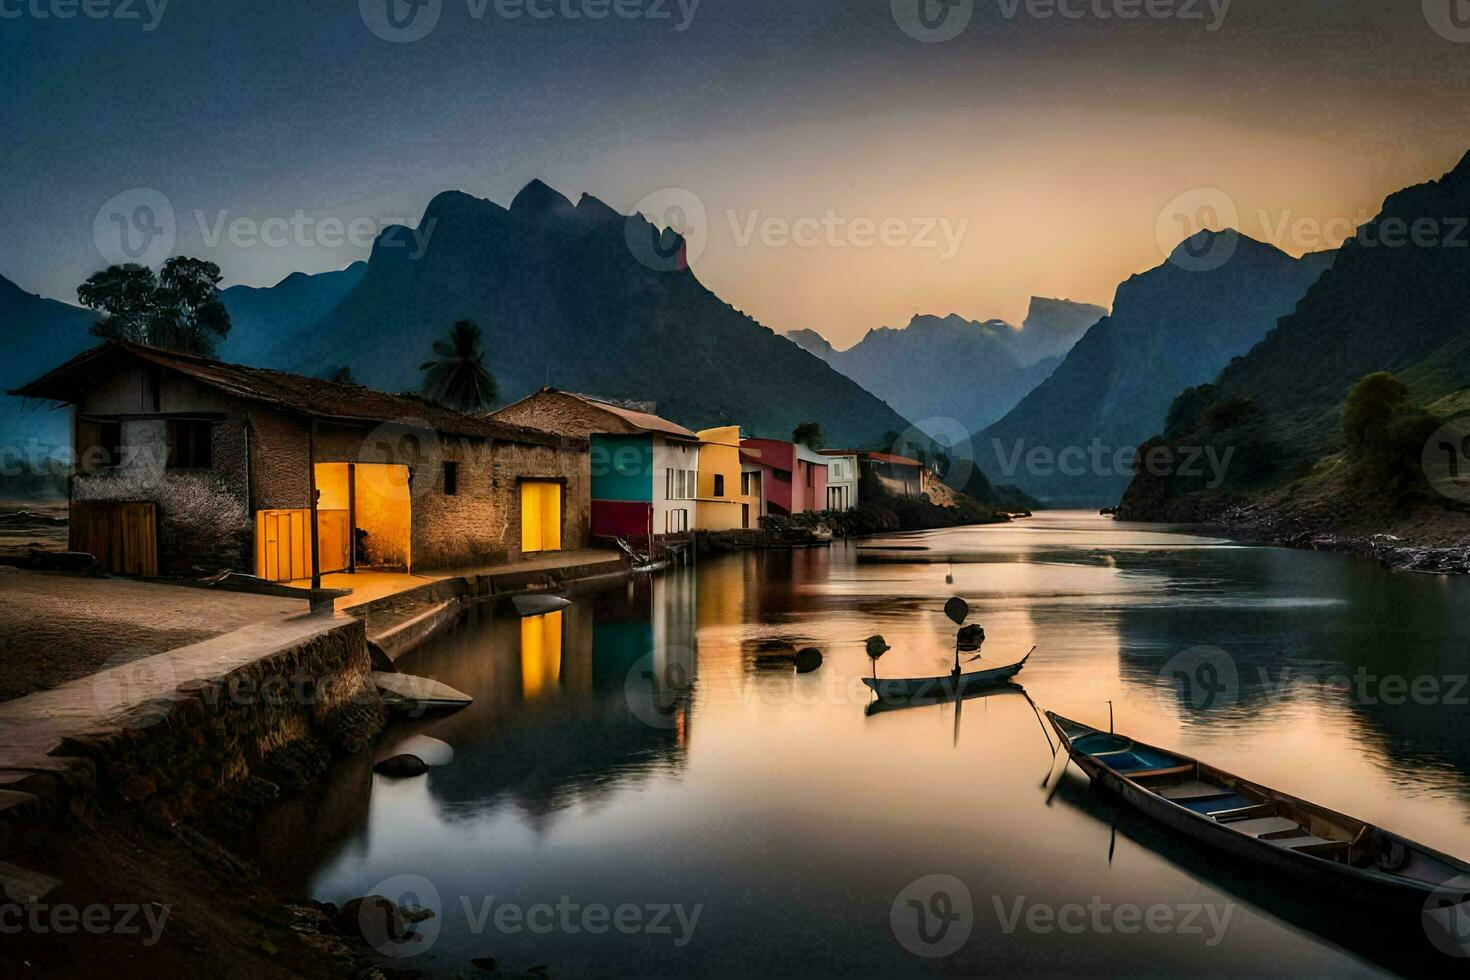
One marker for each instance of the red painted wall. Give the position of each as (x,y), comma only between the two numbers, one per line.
(774,455)
(621,518)
(812,497)
(790,496)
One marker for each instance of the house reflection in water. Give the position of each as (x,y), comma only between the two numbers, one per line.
(541,654)
(560,715)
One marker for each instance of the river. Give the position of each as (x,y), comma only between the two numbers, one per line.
(738,820)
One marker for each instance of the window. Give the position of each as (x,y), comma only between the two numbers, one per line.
(110,442)
(676,522)
(680,484)
(451,479)
(719,484)
(190,444)
(745,484)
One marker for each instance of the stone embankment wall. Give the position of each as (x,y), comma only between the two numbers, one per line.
(222,746)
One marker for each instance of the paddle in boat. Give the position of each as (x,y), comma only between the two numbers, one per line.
(1268,827)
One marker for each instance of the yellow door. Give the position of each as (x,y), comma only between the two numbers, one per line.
(282,551)
(540,517)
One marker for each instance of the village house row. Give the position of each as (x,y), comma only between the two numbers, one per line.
(184,464)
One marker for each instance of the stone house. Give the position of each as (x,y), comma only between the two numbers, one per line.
(645,469)
(210,466)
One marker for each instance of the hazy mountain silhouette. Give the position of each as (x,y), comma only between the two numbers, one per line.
(1386,304)
(261,317)
(1052,327)
(586,299)
(39,334)
(1172,327)
(939,370)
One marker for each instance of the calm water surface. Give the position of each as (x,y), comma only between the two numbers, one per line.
(792,818)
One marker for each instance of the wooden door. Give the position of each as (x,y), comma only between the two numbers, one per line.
(333,539)
(281,538)
(121,535)
(540,516)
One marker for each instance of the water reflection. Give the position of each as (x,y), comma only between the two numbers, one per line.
(632,747)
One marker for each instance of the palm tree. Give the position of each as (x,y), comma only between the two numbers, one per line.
(457,377)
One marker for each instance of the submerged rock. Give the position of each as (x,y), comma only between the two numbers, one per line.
(402,766)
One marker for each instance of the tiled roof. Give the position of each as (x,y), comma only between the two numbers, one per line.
(645,421)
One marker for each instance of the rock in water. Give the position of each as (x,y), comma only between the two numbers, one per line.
(402,766)
(808,659)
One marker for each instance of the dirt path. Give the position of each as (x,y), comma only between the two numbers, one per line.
(57,627)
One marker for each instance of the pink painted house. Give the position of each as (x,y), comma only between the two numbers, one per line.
(793,476)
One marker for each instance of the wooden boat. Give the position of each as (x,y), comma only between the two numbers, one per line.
(881,706)
(538,605)
(945,687)
(1270,828)
(408,693)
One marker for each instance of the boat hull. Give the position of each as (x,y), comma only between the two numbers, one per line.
(946,687)
(1348,881)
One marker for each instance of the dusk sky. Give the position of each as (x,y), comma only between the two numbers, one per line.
(1026,155)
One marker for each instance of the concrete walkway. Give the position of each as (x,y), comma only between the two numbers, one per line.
(370,586)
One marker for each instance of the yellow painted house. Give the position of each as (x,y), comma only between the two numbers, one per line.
(718,506)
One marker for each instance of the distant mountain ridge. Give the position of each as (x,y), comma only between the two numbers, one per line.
(1171,327)
(263,317)
(39,333)
(951,375)
(564,300)
(1388,303)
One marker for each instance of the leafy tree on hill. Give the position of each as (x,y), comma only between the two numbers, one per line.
(808,434)
(1385,432)
(178,309)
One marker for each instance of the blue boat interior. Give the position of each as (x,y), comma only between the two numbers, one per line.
(1122,754)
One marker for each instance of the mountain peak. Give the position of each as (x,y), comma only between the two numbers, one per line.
(1462,169)
(538,197)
